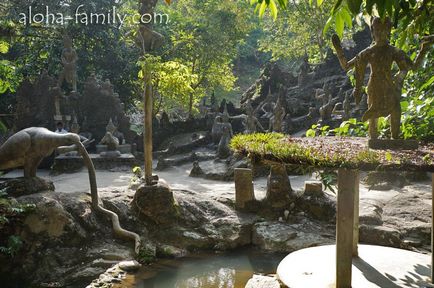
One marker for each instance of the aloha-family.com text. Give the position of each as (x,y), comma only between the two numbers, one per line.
(84,17)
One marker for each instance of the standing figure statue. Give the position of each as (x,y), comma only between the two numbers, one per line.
(69,60)
(279,113)
(251,123)
(304,71)
(384,88)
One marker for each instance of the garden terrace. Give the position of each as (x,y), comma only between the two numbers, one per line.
(331,152)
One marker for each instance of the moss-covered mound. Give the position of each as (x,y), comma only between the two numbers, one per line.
(331,152)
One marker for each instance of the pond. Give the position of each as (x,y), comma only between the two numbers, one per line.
(226,270)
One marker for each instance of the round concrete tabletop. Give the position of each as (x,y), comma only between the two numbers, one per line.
(376,266)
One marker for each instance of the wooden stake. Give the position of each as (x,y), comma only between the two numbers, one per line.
(347,185)
(147,95)
(356,216)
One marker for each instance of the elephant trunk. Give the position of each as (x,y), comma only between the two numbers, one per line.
(118,230)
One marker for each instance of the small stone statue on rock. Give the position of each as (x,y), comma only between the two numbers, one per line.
(279,113)
(223,150)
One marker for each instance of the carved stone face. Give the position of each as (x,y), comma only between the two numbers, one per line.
(381,30)
(67,42)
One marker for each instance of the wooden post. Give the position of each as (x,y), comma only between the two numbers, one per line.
(356,216)
(147,95)
(347,186)
(432,228)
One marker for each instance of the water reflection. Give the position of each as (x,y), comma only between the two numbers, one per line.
(231,270)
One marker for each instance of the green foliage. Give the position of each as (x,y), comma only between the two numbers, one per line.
(329,179)
(146,255)
(11,212)
(203,39)
(417,120)
(351,127)
(280,148)
(137,171)
(298,30)
(13,246)
(262,5)
(173,82)
(103,49)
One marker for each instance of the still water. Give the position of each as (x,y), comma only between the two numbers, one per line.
(228,270)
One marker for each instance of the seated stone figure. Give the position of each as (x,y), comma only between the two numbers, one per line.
(112,145)
(217,129)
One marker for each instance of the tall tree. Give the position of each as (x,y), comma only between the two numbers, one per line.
(297,30)
(204,36)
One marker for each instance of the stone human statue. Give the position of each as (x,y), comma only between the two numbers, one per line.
(279,113)
(384,88)
(58,96)
(203,108)
(111,141)
(113,129)
(107,88)
(304,71)
(323,94)
(110,127)
(225,114)
(267,106)
(338,110)
(326,110)
(251,123)
(223,150)
(217,129)
(75,127)
(69,59)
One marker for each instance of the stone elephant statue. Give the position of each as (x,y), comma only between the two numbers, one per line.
(28,147)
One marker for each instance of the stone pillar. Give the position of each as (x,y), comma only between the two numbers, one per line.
(244,191)
(348,182)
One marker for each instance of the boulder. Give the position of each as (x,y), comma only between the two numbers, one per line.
(259,281)
(380,235)
(313,188)
(26,186)
(157,203)
(129,266)
(283,237)
(318,206)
